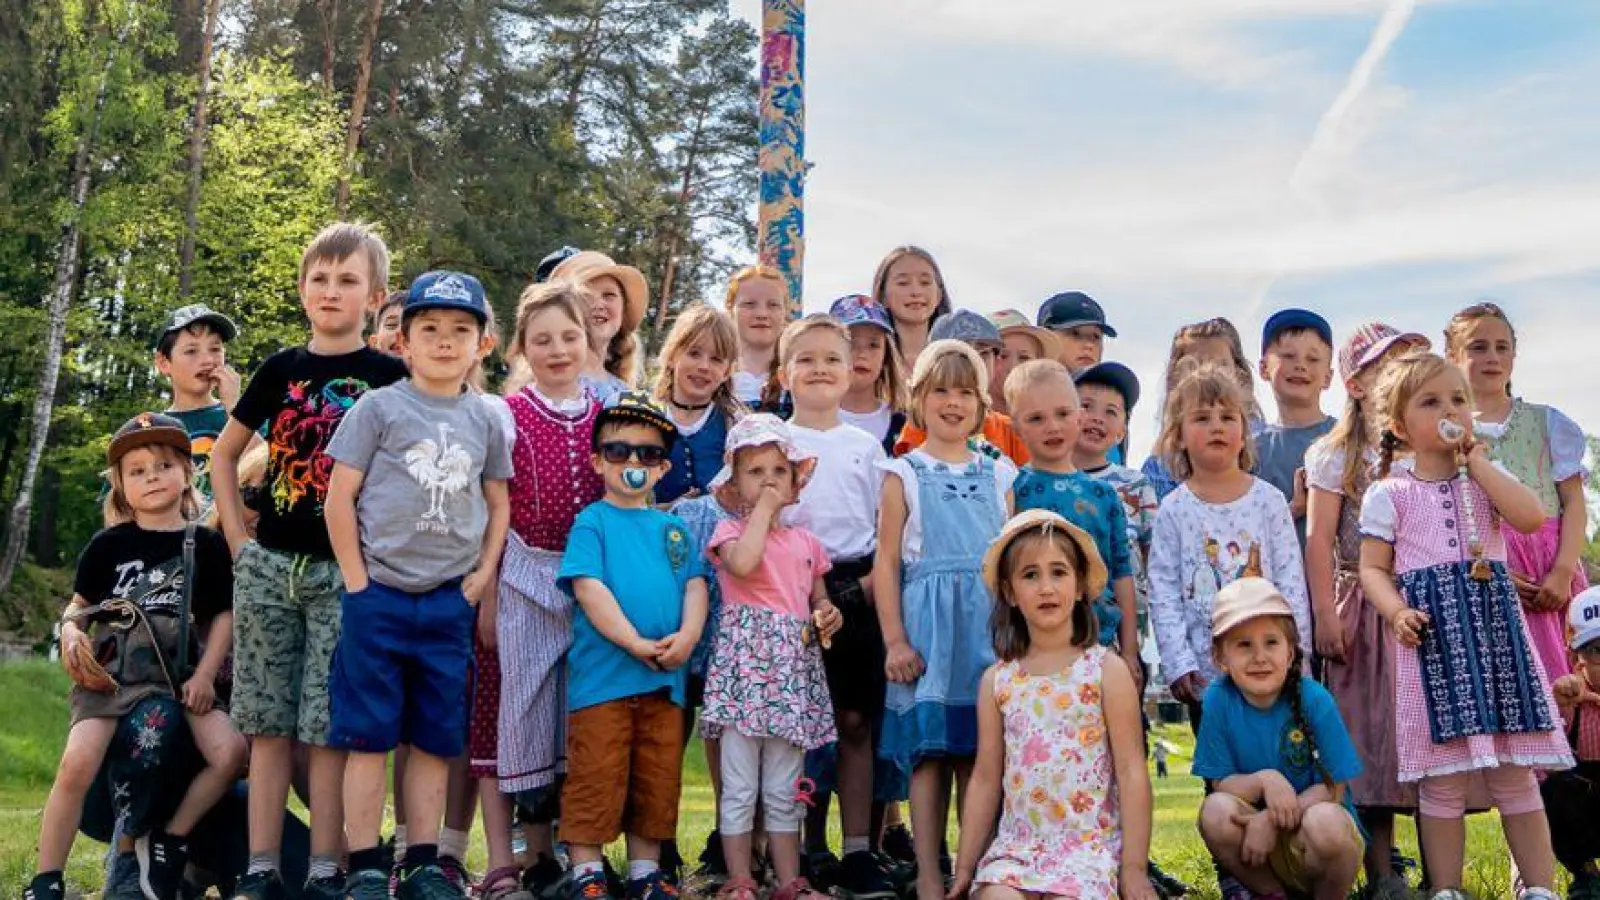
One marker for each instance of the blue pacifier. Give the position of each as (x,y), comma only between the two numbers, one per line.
(635,478)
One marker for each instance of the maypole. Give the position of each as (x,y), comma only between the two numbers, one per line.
(783,141)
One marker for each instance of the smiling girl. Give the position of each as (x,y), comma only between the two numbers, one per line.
(758,301)
(696,388)
(617,297)
(910,286)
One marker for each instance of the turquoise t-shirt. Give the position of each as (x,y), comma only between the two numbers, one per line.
(647,558)
(1239,739)
(204,425)
(1094,506)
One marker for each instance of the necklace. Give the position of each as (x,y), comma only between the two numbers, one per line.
(691,408)
(1454,433)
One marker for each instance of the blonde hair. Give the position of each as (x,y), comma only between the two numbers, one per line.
(621,355)
(1201,384)
(341,240)
(1459,329)
(1031,373)
(702,322)
(752,272)
(1183,341)
(1398,383)
(118,511)
(567,296)
(786,341)
(252,472)
(949,364)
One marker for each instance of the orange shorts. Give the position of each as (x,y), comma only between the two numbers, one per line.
(624,771)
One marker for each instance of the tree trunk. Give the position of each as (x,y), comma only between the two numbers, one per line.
(358,106)
(329,10)
(67,250)
(675,233)
(197,153)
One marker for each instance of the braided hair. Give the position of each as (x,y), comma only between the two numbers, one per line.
(1295,689)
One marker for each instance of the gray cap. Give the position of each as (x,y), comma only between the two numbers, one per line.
(966,326)
(193,314)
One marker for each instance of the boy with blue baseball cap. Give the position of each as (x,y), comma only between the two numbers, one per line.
(417,513)
(1297,361)
(1080,327)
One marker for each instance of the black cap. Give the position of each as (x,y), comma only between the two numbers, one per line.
(146,429)
(194,314)
(1113,375)
(1071,309)
(551,260)
(635,407)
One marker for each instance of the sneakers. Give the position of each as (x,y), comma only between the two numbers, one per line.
(329,888)
(591,886)
(47,886)
(1165,885)
(655,886)
(821,868)
(502,884)
(739,889)
(862,878)
(456,872)
(161,860)
(259,886)
(427,882)
(122,879)
(367,884)
(897,843)
(543,878)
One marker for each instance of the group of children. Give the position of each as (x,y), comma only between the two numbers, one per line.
(889,551)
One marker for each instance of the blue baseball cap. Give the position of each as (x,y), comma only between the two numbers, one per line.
(1285,319)
(1113,375)
(443,289)
(966,326)
(859,309)
(552,259)
(1071,309)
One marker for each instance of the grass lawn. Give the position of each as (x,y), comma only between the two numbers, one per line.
(33,718)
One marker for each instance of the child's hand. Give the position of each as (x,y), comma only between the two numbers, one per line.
(1408,625)
(646,651)
(902,664)
(1329,633)
(1260,837)
(225,381)
(477,586)
(71,634)
(1299,501)
(1283,804)
(1188,688)
(673,651)
(772,499)
(199,694)
(1527,591)
(1555,591)
(827,619)
(1571,690)
(1135,884)
(960,883)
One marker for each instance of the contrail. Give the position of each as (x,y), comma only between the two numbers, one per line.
(1389,28)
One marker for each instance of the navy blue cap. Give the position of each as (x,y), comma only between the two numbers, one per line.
(1071,309)
(442,289)
(966,326)
(552,259)
(1285,319)
(1113,375)
(859,309)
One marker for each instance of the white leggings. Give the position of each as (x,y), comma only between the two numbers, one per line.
(768,768)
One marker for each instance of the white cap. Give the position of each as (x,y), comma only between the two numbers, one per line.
(1584,617)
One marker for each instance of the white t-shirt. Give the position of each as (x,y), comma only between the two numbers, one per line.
(875,423)
(747,387)
(840,503)
(1005,473)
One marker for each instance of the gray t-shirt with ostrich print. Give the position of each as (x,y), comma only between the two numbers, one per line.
(421,509)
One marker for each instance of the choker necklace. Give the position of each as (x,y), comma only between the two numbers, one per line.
(687,408)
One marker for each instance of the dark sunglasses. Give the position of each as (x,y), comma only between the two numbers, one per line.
(617,453)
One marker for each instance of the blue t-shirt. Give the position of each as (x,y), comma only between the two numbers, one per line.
(1094,506)
(646,558)
(1239,739)
(696,458)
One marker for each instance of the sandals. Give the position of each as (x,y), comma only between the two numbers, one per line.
(739,889)
(504,883)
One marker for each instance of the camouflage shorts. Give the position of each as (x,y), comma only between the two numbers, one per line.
(285,627)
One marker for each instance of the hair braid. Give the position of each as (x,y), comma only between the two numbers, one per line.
(1294,688)
(1387,447)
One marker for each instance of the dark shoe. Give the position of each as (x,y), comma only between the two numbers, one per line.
(653,887)
(821,868)
(428,882)
(162,858)
(1584,887)
(543,878)
(713,864)
(122,879)
(46,887)
(259,886)
(862,878)
(367,884)
(1167,885)
(591,886)
(330,888)
(671,864)
(1232,889)
(456,871)
(897,843)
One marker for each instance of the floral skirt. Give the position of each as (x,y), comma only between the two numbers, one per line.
(765,681)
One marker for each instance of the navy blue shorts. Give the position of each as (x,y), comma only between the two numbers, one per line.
(401,670)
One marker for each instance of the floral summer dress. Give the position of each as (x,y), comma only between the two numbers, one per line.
(1060,833)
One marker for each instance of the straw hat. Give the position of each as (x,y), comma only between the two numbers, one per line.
(1044,520)
(1009,320)
(586,266)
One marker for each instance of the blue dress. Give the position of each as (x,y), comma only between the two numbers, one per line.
(946,611)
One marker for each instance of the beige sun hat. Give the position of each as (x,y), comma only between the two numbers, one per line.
(1044,520)
(587,265)
(1009,320)
(1246,599)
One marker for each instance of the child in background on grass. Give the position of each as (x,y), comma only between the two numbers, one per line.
(1220,524)
(386,336)
(695,387)
(876,400)
(618,296)
(943,503)
(759,304)
(1022,341)
(840,506)
(1297,362)
(192,353)
(417,515)
(766,696)
(1572,798)
(1433,561)
(1214,340)
(1544,450)
(128,600)
(999,436)
(524,629)
(1060,754)
(1351,638)
(1047,417)
(639,583)
(1273,745)
(286,580)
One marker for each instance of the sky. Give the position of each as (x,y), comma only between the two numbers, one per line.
(1182,159)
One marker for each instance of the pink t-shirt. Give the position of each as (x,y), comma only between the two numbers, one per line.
(793,561)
